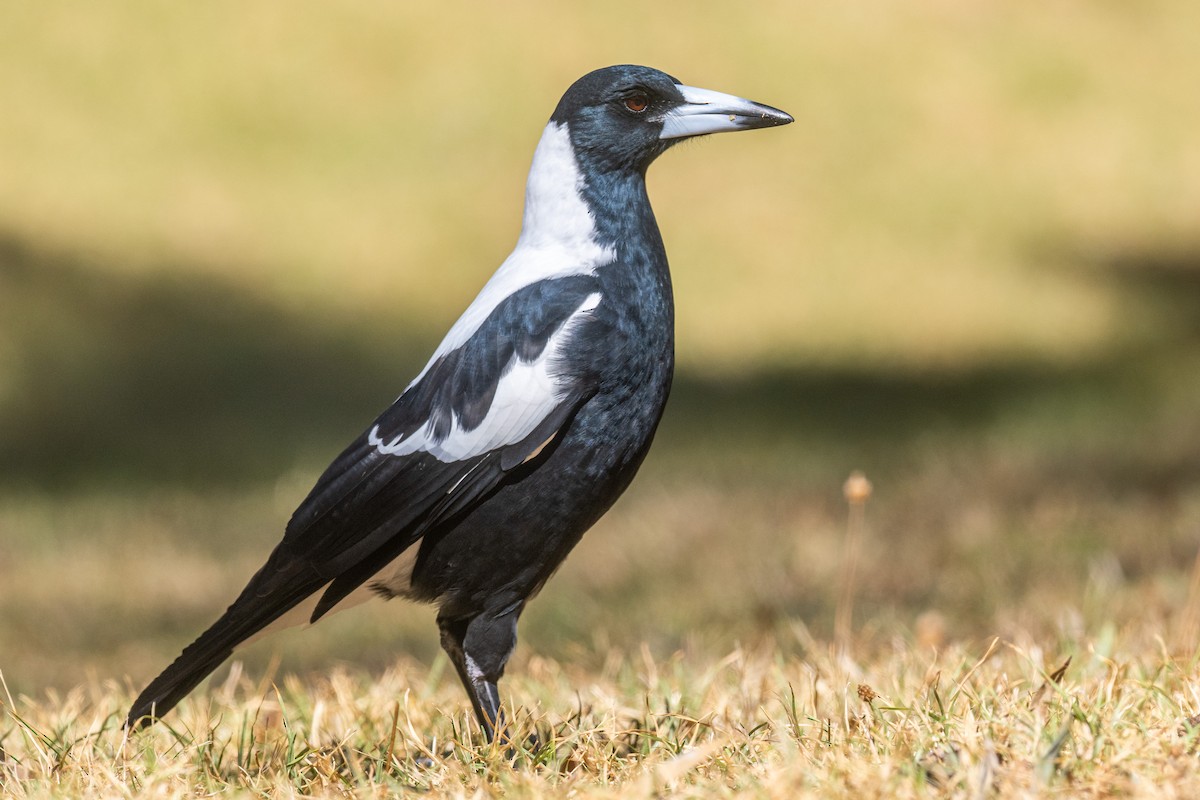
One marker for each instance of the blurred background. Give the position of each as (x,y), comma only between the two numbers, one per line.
(231,233)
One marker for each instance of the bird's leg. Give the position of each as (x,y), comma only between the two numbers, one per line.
(454,632)
(479,647)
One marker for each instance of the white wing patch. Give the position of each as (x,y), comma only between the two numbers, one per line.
(526,393)
(558,237)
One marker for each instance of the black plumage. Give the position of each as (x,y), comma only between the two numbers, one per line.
(528,422)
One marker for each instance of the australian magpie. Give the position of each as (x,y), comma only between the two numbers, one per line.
(529,420)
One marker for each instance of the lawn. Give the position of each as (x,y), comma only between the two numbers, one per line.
(971,269)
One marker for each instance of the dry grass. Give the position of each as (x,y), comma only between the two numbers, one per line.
(785,718)
(1091,690)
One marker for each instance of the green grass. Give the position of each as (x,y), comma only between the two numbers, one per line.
(229,234)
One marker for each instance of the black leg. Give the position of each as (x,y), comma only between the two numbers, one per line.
(479,647)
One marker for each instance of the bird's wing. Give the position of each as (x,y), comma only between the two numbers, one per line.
(474,414)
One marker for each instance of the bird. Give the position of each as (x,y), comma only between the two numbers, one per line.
(528,421)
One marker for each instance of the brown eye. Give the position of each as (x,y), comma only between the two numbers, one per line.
(637,103)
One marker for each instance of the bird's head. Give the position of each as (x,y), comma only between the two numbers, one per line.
(623,117)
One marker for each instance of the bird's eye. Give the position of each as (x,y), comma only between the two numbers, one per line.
(637,103)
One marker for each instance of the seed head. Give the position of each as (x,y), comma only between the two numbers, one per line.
(857,488)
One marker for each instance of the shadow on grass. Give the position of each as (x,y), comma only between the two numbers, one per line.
(128,380)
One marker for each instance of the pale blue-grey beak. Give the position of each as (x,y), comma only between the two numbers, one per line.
(705,111)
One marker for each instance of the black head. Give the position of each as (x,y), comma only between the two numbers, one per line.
(622,118)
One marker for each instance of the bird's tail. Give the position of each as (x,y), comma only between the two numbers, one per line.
(270,594)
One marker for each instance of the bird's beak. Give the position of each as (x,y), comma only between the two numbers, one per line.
(705,111)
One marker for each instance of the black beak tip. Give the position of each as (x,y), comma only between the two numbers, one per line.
(773,117)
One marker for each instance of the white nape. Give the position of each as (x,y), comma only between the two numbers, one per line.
(558,237)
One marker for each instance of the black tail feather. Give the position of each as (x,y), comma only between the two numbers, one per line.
(195,664)
(270,594)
